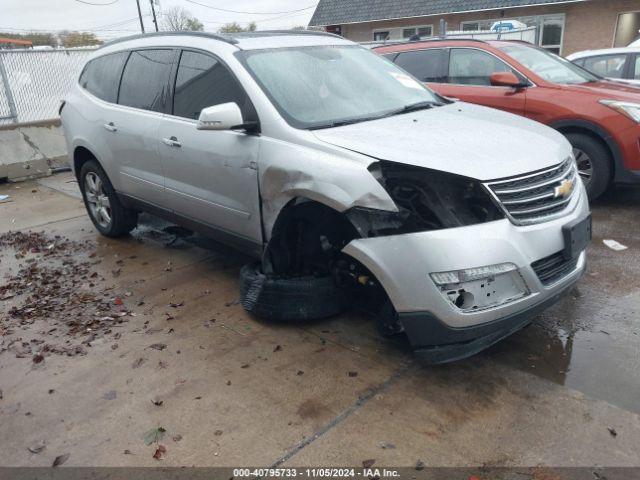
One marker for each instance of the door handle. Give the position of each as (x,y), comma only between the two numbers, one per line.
(172,142)
(111,127)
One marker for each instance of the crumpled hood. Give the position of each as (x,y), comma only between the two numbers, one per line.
(459,138)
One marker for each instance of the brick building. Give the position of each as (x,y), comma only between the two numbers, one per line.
(564,26)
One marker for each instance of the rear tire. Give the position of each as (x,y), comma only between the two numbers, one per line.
(289,299)
(108,215)
(594,163)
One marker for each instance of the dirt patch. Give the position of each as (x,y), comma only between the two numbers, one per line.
(52,299)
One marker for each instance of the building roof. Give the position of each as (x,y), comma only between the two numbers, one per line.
(339,12)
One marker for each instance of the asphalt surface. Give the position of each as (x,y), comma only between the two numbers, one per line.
(103,341)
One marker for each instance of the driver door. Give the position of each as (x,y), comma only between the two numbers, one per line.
(210,176)
(469,80)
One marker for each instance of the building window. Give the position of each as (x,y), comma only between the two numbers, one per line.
(422,32)
(550,34)
(380,36)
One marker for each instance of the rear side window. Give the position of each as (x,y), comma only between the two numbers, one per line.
(637,68)
(474,67)
(612,66)
(145,80)
(101,76)
(425,65)
(202,82)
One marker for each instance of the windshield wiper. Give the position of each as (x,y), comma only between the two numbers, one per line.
(414,107)
(342,123)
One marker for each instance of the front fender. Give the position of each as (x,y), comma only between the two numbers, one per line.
(289,171)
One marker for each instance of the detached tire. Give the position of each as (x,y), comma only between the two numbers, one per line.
(594,163)
(289,299)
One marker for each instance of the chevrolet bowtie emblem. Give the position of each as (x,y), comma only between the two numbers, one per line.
(564,190)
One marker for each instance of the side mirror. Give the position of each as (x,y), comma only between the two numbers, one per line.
(506,79)
(226,116)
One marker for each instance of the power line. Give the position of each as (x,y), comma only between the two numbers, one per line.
(97,4)
(250,13)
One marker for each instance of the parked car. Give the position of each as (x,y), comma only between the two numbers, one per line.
(617,64)
(600,118)
(345,177)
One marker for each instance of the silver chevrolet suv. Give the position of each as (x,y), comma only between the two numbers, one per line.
(350,182)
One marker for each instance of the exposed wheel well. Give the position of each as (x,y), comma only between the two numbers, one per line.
(81,155)
(306,238)
(595,136)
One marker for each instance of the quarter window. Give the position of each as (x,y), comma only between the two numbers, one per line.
(203,82)
(102,76)
(145,80)
(474,67)
(425,65)
(611,66)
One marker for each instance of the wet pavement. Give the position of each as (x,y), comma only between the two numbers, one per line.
(164,343)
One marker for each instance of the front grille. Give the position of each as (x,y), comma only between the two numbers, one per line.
(553,268)
(536,197)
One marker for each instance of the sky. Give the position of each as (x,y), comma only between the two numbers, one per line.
(120,17)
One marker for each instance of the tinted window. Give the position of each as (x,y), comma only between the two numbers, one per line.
(637,65)
(611,66)
(145,79)
(102,76)
(425,65)
(203,82)
(474,67)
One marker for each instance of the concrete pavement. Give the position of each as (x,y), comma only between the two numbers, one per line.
(232,390)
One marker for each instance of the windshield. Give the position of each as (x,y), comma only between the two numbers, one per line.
(548,65)
(320,87)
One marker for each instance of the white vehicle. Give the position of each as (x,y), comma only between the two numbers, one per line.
(344,176)
(617,64)
(506,25)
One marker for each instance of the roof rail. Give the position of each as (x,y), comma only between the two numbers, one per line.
(264,33)
(431,39)
(214,36)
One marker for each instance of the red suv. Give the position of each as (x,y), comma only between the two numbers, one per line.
(600,118)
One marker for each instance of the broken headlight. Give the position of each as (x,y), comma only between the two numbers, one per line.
(427,200)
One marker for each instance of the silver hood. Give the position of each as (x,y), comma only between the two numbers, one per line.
(460,138)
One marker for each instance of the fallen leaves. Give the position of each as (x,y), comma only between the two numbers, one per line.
(37,448)
(154,435)
(157,401)
(158,346)
(160,452)
(368,463)
(613,432)
(60,459)
(138,363)
(54,283)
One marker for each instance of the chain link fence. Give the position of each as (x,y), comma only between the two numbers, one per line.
(33,82)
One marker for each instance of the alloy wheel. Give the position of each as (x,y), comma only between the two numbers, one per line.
(97,199)
(585,165)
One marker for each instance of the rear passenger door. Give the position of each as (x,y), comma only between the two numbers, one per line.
(211,176)
(469,79)
(132,125)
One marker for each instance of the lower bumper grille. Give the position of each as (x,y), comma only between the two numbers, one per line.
(553,268)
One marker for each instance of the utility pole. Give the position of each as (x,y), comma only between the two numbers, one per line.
(140,15)
(153,10)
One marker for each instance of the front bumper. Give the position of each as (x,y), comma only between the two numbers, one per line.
(403,263)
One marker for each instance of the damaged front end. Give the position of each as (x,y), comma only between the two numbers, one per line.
(426,199)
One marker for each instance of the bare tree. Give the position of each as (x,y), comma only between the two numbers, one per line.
(179,19)
(235,27)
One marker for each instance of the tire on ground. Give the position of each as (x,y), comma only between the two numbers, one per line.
(289,299)
(600,161)
(123,220)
